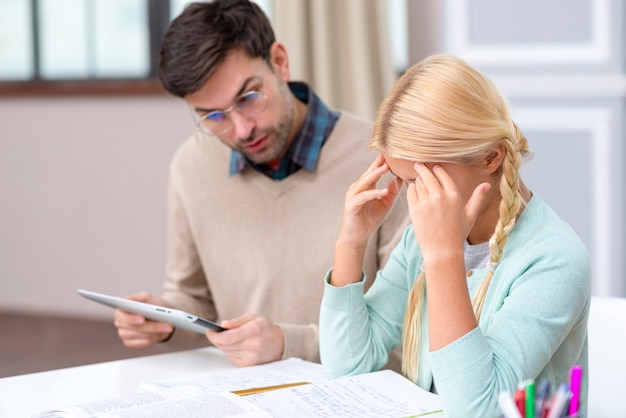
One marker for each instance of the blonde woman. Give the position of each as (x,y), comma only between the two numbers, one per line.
(488,286)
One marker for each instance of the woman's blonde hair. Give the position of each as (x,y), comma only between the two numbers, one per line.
(444,110)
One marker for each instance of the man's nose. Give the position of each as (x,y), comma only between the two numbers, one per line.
(242,125)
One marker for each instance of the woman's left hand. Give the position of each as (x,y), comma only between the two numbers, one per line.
(441,219)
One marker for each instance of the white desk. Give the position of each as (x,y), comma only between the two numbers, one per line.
(25,395)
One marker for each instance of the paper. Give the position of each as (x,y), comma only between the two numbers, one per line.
(183,402)
(376,395)
(276,373)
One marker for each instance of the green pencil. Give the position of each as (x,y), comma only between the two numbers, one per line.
(530,399)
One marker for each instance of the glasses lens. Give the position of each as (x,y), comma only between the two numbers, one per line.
(250,103)
(216,121)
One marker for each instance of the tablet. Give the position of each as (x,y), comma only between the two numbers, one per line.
(175,317)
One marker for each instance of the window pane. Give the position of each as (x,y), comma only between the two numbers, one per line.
(99,38)
(398,26)
(16,59)
(121,38)
(64,39)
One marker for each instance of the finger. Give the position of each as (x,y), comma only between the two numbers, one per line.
(133,339)
(238,321)
(394,185)
(377,163)
(393,190)
(421,191)
(443,178)
(476,200)
(426,177)
(369,179)
(123,318)
(366,196)
(411,195)
(148,327)
(227,340)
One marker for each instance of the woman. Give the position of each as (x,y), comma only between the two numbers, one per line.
(488,286)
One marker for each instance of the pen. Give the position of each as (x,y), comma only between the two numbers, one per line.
(575,377)
(542,398)
(519,399)
(530,399)
(253,391)
(559,402)
(507,405)
(423,414)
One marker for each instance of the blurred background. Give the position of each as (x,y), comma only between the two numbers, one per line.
(87,133)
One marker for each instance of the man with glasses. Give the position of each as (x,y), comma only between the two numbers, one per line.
(256,195)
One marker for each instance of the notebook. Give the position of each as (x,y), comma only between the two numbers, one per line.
(179,319)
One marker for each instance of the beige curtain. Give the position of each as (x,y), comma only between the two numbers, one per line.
(340,47)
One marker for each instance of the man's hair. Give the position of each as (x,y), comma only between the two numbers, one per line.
(200,38)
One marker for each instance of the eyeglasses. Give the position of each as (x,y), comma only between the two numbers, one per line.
(247,104)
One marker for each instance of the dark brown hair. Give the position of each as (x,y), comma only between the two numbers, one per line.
(198,40)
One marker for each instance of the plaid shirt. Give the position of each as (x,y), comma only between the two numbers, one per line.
(305,149)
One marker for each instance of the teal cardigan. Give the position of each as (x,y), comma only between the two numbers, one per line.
(533,324)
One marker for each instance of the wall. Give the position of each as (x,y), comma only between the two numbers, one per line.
(83,197)
(83,180)
(562,65)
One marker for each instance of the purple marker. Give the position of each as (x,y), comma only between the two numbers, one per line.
(574,384)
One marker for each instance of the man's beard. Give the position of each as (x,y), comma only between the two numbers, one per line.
(276,146)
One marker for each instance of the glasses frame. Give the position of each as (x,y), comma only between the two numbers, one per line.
(201,121)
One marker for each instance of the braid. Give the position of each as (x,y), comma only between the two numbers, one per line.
(424,118)
(411,328)
(510,205)
(509,208)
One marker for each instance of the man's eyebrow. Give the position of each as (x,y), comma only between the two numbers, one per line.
(239,92)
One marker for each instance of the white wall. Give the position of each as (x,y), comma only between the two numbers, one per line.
(83,197)
(565,76)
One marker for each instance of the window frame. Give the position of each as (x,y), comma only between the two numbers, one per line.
(158,21)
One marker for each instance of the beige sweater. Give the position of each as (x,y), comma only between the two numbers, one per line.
(248,243)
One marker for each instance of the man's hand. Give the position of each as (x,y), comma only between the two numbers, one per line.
(137,331)
(249,340)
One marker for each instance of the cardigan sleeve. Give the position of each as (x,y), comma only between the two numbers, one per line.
(358,330)
(534,327)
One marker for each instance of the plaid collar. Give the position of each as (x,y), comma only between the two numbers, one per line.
(305,149)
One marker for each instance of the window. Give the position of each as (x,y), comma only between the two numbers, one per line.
(102,46)
(81,45)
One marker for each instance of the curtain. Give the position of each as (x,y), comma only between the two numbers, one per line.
(340,47)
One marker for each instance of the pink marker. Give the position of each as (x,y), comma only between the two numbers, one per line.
(574,384)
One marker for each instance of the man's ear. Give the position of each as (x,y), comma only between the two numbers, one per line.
(494,158)
(280,61)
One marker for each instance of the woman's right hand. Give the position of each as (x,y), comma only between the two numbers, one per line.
(366,206)
(364,211)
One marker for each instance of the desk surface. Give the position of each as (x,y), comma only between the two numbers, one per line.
(25,395)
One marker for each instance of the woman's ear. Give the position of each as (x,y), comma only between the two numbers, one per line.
(494,158)
(280,61)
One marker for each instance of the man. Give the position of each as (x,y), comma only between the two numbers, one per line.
(256,196)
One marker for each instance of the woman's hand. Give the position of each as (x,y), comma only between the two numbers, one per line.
(364,211)
(441,218)
(366,206)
